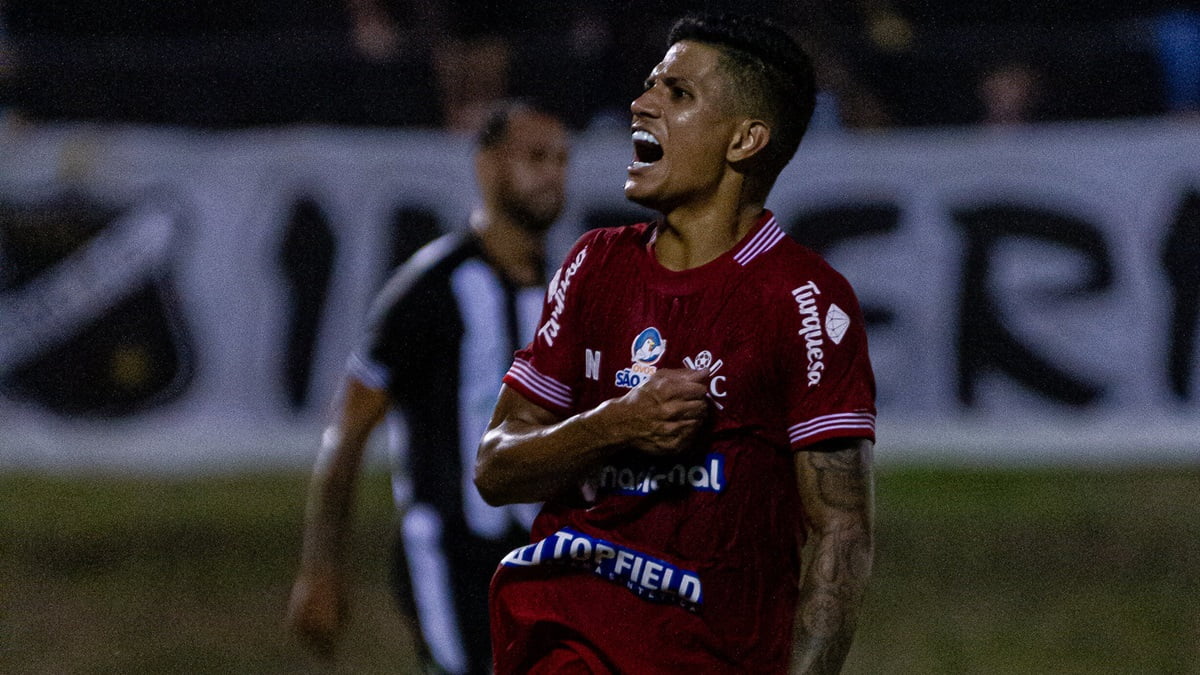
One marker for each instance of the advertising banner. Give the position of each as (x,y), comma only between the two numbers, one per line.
(174,300)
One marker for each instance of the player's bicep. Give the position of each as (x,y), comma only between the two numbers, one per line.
(513,409)
(835,479)
(358,411)
(361,407)
(515,422)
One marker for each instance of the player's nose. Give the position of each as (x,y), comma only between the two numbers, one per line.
(644,105)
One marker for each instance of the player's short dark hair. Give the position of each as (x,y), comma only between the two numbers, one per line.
(773,74)
(499,118)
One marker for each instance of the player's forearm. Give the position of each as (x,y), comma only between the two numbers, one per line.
(837,490)
(523,462)
(830,596)
(331,498)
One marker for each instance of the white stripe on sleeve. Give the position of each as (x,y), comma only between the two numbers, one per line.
(852,421)
(543,385)
(371,373)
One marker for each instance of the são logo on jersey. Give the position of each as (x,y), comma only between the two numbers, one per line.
(647,348)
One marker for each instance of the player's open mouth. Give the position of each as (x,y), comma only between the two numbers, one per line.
(646,149)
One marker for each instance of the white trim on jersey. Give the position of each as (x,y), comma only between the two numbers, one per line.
(483,355)
(427,566)
(543,385)
(762,241)
(852,421)
(371,373)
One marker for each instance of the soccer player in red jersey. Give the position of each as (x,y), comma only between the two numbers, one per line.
(696,409)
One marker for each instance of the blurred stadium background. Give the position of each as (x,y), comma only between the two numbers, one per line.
(198,200)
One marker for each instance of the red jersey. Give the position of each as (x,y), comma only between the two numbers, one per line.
(692,561)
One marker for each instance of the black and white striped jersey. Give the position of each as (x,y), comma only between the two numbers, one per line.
(440,337)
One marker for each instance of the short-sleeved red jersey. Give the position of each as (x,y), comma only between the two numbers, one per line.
(691,561)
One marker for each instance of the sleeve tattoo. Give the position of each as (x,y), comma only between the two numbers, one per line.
(837,493)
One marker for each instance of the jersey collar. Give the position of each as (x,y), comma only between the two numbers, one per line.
(764,236)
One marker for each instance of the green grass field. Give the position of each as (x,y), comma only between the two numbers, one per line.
(1046,571)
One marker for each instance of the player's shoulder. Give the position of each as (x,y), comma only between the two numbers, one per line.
(608,238)
(597,247)
(792,264)
(430,267)
(441,254)
(812,301)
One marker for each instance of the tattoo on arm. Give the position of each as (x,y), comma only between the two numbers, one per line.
(840,479)
(837,493)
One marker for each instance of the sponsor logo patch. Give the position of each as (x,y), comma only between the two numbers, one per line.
(556,295)
(647,577)
(810,329)
(837,322)
(708,476)
(647,349)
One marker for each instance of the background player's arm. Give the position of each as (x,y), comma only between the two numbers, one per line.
(316,610)
(837,491)
(531,454)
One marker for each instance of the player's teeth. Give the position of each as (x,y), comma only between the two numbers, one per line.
(644,136)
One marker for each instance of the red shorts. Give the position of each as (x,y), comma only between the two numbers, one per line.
(568,658)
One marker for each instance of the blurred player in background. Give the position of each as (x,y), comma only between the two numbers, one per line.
(697,407)
(440,334)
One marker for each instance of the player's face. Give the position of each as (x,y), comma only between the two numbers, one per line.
(531,182)
(681,129)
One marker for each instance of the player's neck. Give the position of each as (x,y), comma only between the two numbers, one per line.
(514,250)
(691,237)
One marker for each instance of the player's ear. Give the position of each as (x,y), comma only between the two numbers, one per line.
(749,139)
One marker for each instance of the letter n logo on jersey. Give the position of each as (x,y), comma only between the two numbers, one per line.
(591,364)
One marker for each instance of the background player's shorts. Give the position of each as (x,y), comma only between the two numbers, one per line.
(441,575)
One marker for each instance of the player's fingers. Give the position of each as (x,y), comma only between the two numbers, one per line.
(685,384)
(680,375)
(689,409)
(678,436)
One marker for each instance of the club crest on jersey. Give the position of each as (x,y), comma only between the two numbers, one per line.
(647,348)
(716,383)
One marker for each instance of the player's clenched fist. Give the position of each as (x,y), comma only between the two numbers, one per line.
(664,415)
(316,612)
